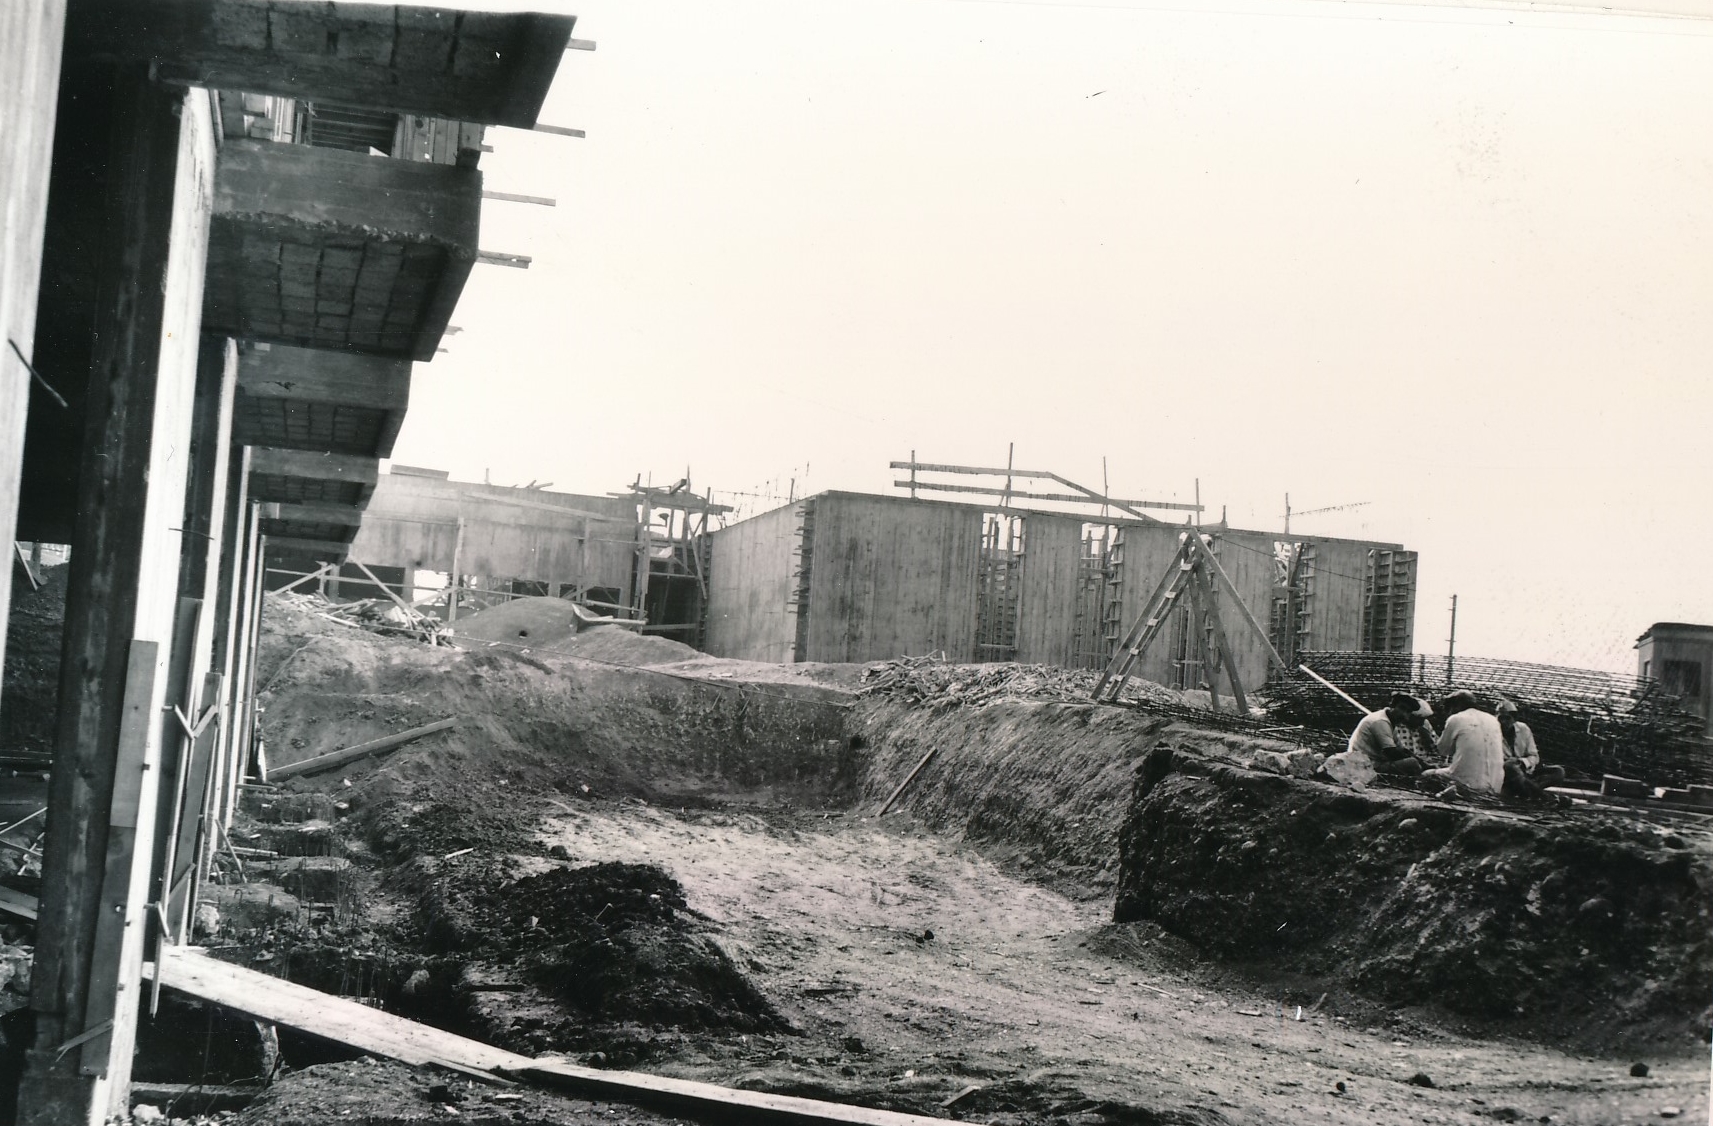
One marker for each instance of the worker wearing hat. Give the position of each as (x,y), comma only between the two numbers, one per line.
(1475,743)
(1525,775)
(1376,736)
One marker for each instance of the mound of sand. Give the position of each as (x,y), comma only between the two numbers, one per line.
(554,625)
(531,622)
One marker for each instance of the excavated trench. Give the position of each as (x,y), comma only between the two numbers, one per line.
(678,867)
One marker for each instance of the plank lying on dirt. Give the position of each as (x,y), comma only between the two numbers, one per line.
(686,1096)
(189,970)
(350,754)
(17,903)
(259,995)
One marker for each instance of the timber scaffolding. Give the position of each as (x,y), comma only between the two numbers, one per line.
(1595,722)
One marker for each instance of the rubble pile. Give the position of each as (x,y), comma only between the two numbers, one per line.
(939,683)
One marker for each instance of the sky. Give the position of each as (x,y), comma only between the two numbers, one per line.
(1451,265)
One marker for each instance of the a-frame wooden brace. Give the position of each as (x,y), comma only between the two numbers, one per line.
(1195,571)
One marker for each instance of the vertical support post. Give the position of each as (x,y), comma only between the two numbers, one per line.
(252,644)
(1451,642)
(912,474)
(147,280)
(456,577)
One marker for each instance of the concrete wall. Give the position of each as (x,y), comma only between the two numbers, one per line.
(891,576)
(751,587)
(1047,604)
(508,533)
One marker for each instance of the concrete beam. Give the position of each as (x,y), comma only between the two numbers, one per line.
(325,551)
(320,467)
(343,514)
(492,68)
(322,248)
(336,402)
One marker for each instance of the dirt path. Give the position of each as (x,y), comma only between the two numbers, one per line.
(1038,1000)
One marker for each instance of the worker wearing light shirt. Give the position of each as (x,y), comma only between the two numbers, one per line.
(1525,775)
(1476,745)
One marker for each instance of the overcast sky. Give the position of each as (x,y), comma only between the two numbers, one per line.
(1454,263)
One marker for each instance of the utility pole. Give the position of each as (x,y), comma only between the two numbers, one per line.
(1451,642)
(1287,514)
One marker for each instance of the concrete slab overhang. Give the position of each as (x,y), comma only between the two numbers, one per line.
(327,402)
(303,477)
(322,248)
(328,523)
(322,551)
(488,67)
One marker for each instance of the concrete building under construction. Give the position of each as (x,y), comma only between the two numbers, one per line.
(852,577)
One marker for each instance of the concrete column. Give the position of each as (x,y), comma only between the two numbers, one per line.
(30,37)
(145,293)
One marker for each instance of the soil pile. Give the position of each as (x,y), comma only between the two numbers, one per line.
(532,725)
(614,941)
(531,622)
(29,701)
(1582,921)
(937,683)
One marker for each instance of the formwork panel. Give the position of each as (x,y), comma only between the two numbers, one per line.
(892,576)
(1047,609)
(752,587)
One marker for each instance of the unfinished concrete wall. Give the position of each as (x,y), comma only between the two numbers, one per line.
(1335,621)
(751,587)
(891,576)
(1046,610)
(508,533)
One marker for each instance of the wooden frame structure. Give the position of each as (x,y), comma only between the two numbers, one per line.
(1196,577)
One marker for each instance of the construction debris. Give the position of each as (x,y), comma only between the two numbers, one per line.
(938,683)
(361,750)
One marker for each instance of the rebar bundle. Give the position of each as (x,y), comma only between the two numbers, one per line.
(1594,722)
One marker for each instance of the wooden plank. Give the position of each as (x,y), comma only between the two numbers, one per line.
(349,754)
(135,721)
(705,1100)
(191,971)
(21,904)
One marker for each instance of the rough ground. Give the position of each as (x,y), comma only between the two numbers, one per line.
(965,942)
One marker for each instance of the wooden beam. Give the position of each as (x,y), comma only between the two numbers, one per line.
(508,197)
(500,258)
(361,750)
(1076,498)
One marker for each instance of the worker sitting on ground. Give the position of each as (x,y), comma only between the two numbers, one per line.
(1376,736)
(1415,735)
(1476,745)
(1525,775)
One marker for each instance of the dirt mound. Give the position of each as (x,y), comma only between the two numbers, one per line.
(1045,785)
(614,941)
(29,701)
(1584,924)
(616,645)
(531,724)
(552,625)
(937,683)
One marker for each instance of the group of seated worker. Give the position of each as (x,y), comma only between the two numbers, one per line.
(1485,752)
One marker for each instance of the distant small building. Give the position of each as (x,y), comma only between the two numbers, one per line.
(1680,657)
